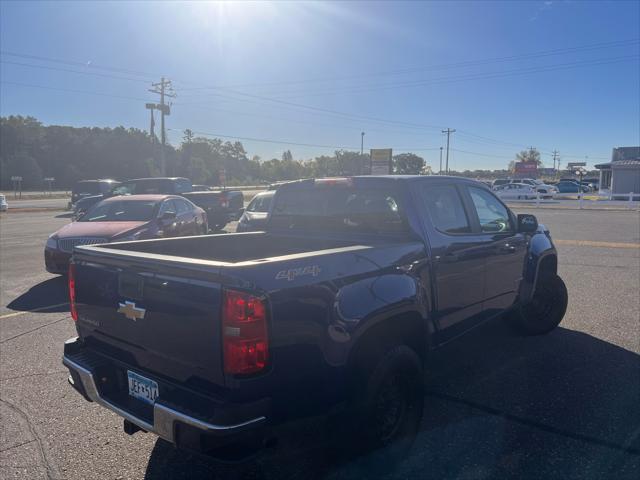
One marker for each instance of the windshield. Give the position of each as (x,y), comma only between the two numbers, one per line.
(124,211)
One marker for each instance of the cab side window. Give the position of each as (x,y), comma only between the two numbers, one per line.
(445,208)
(493,215)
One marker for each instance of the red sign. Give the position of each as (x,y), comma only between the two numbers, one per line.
(530,168)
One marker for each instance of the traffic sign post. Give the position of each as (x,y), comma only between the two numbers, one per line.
(222,177)
(381,161)
(578,169)
(50,181)
(17,186)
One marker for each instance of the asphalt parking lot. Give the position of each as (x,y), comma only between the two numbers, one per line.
(565,405)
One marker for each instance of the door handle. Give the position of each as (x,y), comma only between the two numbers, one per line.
(450,258)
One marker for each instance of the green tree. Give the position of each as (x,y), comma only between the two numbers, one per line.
(529,155)
(408,164)
(287,156)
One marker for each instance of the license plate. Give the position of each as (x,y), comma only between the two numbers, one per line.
(142,388)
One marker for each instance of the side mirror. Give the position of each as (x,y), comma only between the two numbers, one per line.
(168,216)
(527,223)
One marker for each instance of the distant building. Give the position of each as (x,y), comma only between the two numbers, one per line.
(621,176)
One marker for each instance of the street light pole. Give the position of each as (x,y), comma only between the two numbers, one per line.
(440,171)
(362,143)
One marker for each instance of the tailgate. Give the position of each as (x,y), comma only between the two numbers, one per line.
(153,315)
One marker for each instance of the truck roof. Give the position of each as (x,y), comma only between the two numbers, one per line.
(380,180)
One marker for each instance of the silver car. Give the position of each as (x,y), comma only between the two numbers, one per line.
(4,206)
(515,191)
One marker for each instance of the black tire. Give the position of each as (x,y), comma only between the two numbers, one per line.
(386,412)
(545,310)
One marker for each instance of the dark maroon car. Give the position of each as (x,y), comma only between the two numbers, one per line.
(134,217)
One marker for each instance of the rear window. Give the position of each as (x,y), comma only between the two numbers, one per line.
(141,187)
(86,187)
(338,209)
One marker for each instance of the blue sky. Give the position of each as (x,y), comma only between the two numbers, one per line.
(554,75)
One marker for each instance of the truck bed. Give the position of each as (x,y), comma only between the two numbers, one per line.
(234,248)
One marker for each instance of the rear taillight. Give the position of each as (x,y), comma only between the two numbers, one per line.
(244,332)
(72,292)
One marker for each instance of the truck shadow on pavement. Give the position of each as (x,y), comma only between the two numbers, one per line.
(45,297)
(564,405)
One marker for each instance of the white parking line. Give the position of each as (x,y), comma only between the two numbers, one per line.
(39,309)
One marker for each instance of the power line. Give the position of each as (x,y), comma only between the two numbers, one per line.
(463,78)
(257,97)
(299,144)
(138,99)
(95,74)
(76,63)
(481,154)
(558,51)
(269,140)
(73,90)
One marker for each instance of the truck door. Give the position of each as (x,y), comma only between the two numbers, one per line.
(506,249)
(458,258)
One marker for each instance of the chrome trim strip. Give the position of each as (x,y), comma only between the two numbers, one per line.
(164,417)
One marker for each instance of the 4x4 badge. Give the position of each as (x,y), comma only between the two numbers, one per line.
(291,274)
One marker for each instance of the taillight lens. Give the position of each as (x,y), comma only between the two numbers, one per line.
(244,332)
(72,291)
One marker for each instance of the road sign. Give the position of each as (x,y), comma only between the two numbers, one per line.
(16,179)
(571,165)
(526,168)
(381,161)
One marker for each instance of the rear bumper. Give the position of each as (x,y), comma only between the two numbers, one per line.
(178,424)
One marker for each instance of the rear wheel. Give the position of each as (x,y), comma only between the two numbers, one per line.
(545,310)
(386,410)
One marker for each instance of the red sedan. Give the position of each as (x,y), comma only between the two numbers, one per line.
(134,217)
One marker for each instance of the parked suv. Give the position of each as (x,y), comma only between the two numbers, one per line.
(90,188)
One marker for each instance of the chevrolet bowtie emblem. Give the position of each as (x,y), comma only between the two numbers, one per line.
(129,310)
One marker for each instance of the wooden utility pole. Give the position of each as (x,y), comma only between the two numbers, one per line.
(448,131)
(164,89)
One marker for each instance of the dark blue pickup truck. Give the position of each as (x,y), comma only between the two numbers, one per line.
(212,341)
